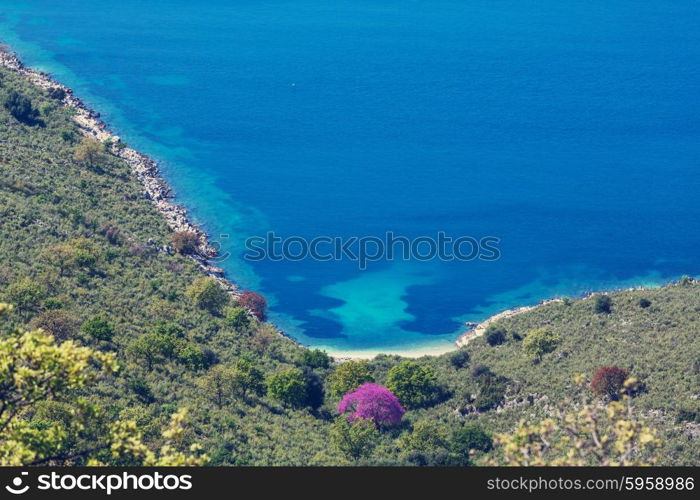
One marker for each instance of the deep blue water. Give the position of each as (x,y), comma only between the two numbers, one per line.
(567,129)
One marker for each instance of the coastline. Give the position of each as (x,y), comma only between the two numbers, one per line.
(159,193)
(156,189)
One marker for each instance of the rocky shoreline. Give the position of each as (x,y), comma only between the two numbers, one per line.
(156,189)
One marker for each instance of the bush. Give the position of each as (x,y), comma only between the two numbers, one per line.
(356,439)
(56,93)
(98,328)
(25,294)
(207,294)
(140,387)
(539,342)
(315,358)
(20,107)
(288,387)
(255,303)
(495,335)
(459,359)
(58,323)
(414,385)
(372,402)
(603,304)
(470,437)
(237,318)
(481,371)
(185,242)
(314,389)
(492,390)
(246,379)
(427,437)
(189,354)
(150,348)
(89,153)
(644,303)
(349,376)
(608,381)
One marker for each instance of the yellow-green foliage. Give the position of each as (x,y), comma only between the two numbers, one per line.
(539,342)
(592,435)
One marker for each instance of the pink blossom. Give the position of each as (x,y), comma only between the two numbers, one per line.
(372,402)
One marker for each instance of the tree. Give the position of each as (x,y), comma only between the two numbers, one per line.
(644,303)
(262,338)
(58,323)
(74,253)
(34,368)
(237,317)
(20,107)
(539,342)
(207,294)
(288,387)
(89,153)
(246,379)
(349,376)
(467,439)
(151,348)
(254,302)
(356,439)
(459,359)
(608,381)
(185,242)
(372,402)
(126,440)
(98,328)
(415,385)
(189,354)
(26,294)
(495,335)
(315,358)
(217,384)
(427,445)
(603,304)
(427,437)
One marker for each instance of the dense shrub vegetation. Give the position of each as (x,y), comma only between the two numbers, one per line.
(141,354)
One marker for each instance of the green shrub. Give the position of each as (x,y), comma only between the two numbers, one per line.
(468,438)
(603,304)
(207,294)
(415,385)
(98,328)
(349,376)
(315,358)
(495,335)
(356,439)
(20,107)
(459,359)
(236,318)
(539,342)
(25,294)
(288,387)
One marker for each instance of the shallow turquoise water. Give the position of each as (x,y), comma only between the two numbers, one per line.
(567,129)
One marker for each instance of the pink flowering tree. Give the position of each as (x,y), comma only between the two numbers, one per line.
(372,402)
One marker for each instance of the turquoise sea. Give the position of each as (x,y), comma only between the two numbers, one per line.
(570,130)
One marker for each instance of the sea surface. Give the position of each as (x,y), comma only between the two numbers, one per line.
(568,130)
